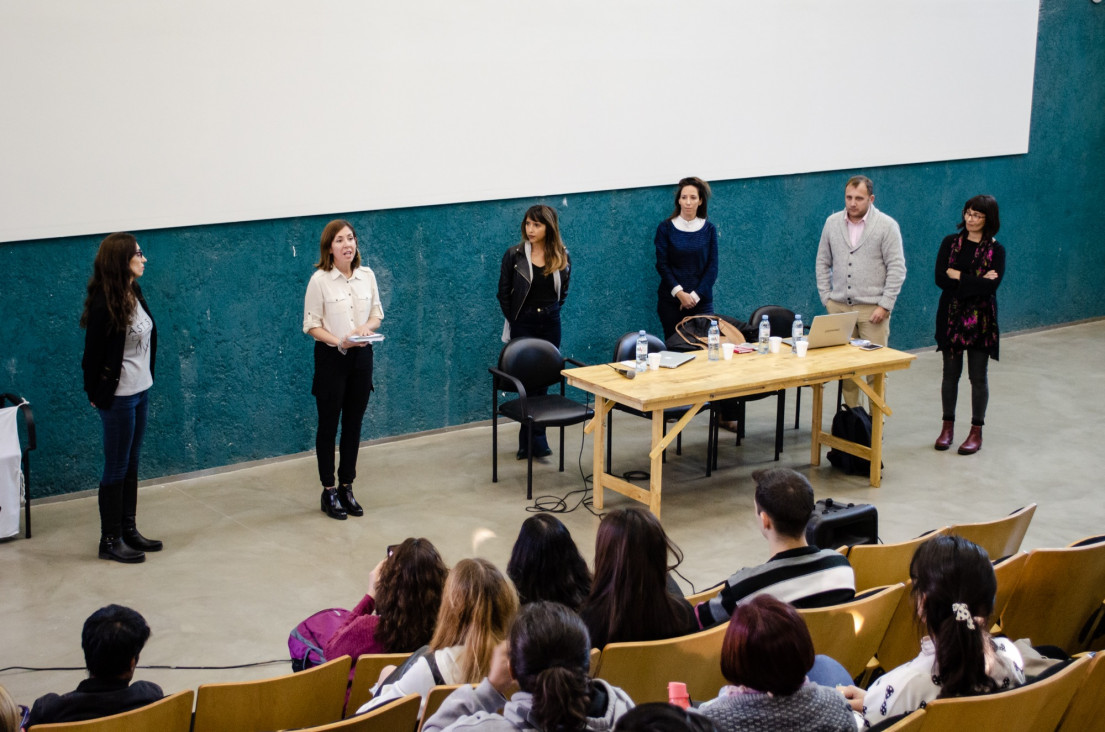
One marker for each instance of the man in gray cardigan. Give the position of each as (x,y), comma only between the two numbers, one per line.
(861,266)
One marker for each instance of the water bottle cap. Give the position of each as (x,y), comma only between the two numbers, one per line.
(641,333)
(798,316)
(764,318)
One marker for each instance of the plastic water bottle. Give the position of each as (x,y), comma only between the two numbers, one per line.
(713,342)
(765,333)
(642,352)
(797,333)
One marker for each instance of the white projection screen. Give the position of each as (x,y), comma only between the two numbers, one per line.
(139,114)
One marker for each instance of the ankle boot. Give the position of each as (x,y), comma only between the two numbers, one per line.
(348,502)
(113,547)
(135,540)
(947,434)
(973,443)
(331,506)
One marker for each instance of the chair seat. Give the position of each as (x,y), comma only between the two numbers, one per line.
(550,410)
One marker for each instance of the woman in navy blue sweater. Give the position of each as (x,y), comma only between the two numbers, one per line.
(686,257)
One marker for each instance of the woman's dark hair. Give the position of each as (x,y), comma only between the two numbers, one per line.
(408,596)
(988,206)
(629,600)
(546,564)
(767,647)
(112,638)
(703,189)
(949,572)
(556,255)
(662,717)
(550,656)
(112,277)
(325,256)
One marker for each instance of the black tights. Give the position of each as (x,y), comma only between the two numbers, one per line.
(980,390)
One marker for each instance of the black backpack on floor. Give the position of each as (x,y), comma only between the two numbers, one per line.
(852,424)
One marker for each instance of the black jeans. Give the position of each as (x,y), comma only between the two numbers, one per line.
(341,387)
(977,361)
(543,323)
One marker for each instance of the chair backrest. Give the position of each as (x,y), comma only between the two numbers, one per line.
(1008,573)
(879,565)
(1087,707)
(912,722)
(366,672)
(171,714)
(851,632)
(435,697)
(705,595)
(1029,708)
(400,715)
(627,346)
(305,699)
(1059,590)
(781,319)
(533,361)
(644,669)
(999,538)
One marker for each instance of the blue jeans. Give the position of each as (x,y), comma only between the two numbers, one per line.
(124,425)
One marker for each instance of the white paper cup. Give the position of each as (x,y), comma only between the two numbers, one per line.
(801,347)
(727,350)
(653,361)
(775,344)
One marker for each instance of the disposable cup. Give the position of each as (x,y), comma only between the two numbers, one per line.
(801,347)
(775,344)
(653,361)
(727,350)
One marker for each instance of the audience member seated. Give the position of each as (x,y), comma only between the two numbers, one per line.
(629,598)
(767,654)
(477,607)
(546,564)
(398,613)
(798,573)
(953,587)
(112,639)
(11,714)
(548,659)
(662,717)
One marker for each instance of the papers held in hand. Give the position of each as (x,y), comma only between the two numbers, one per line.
(373,338)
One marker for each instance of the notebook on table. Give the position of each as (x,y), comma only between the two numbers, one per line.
(830,330)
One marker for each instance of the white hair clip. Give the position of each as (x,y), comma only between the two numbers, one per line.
(963,614)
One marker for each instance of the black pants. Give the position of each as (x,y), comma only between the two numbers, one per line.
(667,307)
(977,361)
(342,385)
(543,323)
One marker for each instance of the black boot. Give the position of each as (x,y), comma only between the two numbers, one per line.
(130,508)
(348,502)
(331,506)
(112,545)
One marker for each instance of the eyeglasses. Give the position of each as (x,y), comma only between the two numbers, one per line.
(138,253)
(973,215)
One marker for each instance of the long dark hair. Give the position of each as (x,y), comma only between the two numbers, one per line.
(408,596)
(546,565)
(629,599)
(950,573)
(113,279)
(550,655)
(556,256)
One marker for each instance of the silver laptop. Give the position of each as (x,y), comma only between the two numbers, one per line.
(831,330)
(673,359)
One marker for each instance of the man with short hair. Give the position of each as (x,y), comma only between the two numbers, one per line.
(798,573)
(112,639)
(861,267)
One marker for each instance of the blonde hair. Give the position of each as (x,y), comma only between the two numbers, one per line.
(477,607)
(10,716)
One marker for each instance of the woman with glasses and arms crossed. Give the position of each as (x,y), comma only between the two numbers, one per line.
(120,349)
(969,269)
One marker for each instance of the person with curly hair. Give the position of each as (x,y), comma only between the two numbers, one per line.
(398,613)
(540,680)
(120,352)
(546,564)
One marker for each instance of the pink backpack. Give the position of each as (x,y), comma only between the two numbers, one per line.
(306,641)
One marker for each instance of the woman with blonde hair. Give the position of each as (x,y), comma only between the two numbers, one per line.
(11,716)
(477,608)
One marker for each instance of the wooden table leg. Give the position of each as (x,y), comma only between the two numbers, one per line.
(815,424)
(876,430)
(656,470)
(598,467)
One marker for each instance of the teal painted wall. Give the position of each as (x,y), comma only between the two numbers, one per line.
(234,368)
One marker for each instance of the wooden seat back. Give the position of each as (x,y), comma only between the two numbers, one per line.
(999,538)
(880,565)
(171,714)
(644,669)
(366,673)
(851,632)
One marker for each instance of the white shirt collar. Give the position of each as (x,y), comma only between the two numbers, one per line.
(689,226)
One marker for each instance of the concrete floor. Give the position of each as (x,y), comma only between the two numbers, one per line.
(249,554)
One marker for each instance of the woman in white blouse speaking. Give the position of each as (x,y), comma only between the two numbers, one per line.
(341,309)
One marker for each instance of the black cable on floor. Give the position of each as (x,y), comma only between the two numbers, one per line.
(170,668)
